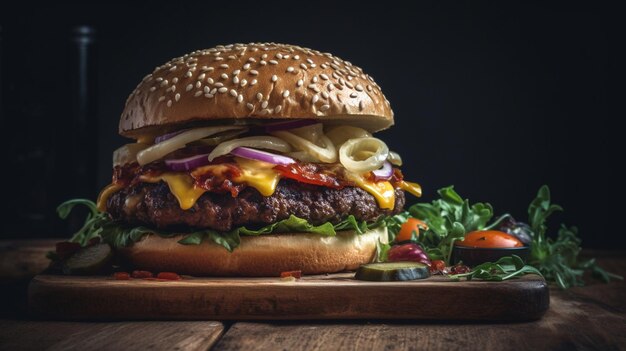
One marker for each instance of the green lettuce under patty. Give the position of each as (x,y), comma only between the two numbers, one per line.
(100,225)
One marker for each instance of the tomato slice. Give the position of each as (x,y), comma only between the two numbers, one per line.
(489,239)
(411,225)
(310,174)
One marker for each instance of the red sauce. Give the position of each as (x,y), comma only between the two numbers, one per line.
(295,274)
(168,276)
(315,173)
(142,274)
(121,276)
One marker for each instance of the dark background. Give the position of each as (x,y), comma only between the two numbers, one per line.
(495,99)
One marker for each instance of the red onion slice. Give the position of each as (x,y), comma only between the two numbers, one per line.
(264,156)
(188,163)
(164,137)
(384,173)
(284,125)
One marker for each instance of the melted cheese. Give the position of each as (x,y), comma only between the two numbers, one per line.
(258,175)
(412,188)
(105,194)
(382,191)
(181,185)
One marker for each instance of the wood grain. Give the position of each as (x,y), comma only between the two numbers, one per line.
(35,335)
(336,296)
(572,323)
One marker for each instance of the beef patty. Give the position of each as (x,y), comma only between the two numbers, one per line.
(154,205)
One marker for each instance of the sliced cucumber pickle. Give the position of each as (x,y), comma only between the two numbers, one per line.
(88,260)
(392,271)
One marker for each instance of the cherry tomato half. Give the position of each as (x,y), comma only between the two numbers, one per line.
(489,239)
(410,226)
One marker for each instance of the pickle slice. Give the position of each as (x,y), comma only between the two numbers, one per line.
(88,260)
(392,271)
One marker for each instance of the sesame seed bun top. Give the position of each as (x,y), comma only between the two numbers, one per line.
(257,81)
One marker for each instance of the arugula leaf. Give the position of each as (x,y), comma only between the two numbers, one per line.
(505,268)
(99,224)
(449,219)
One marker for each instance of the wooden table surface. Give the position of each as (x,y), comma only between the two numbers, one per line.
(591,317)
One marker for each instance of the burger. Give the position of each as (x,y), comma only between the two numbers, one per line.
(252,160)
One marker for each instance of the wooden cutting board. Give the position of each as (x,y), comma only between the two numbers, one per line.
(334,296)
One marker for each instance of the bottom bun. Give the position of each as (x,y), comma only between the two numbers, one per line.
(258,256)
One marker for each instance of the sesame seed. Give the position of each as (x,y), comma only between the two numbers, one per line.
(250,106)
(239,98)
(251,59)
(172,69)
(263,62)
(299,83)
(246,66)
(285,56)
(233,92)
(219,58)
(207,90)
(274,78)
(224,65)
(198,84)
(161,98)
(177,97)
(235,80)
(286,93)
(253,82)
(206,69)
(213,91)
(314,80)
(264,56)
(209,96)
(330,86)
(324,95)
(273,62)
(243,82)
(197,93)
(259,96)
(315,98)
(168,89)
(279,56)
(324,107)
(164,83)
(350,85)
(335,75)
(369,87)
(324,66)
(296,57)
(210,80)
(254,72)
(264,104)
(314,88)
(309,61)
(224,76)
(358,87)
(341,81)
(278,108)
(222,90)
(290,69)
(173,88)
(201,76)
(361,105)
(334,66)
(232,57)
(236,72)
(169,103)
(324,76)
(189,87)
(303,66)
(175,80)
(353,95)
(153,89)
(188,74)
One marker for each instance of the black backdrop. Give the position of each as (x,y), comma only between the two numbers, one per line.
(495,99)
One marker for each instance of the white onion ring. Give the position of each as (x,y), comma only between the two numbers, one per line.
(216,140)
(128,153)
(378,149)
(302,156)
(258,142)
(394,158)
(328,153)
(179,141)
(340,134)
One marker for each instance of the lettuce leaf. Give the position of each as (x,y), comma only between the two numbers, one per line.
(117,234)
